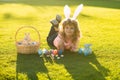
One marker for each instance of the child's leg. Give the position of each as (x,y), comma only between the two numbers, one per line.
(52,34)
(59,43)
(53,31)
(50,40)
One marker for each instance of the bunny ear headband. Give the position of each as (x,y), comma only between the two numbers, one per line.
(76,13)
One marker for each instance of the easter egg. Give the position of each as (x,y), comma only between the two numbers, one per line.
(60,52)
(44,51)
(40,52)
(62,55)
(80,51)
(58,57)
(55,52)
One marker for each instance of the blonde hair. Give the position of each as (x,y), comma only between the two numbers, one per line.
(75,24)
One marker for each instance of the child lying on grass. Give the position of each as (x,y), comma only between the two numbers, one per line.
(68,36)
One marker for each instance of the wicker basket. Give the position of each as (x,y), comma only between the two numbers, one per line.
(28,48)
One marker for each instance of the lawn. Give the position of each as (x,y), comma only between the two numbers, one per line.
(99,23)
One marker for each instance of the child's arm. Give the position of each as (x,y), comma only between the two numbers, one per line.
(74,47)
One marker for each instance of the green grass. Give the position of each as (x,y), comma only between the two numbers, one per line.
(99,24)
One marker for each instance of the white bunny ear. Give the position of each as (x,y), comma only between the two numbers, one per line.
(77,11)
(67,11)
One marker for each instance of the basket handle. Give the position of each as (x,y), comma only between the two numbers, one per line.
(27,27)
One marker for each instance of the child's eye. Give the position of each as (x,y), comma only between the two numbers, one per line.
(72,28)
(67,27)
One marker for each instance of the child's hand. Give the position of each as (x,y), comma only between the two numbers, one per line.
(67,45)
(74,49)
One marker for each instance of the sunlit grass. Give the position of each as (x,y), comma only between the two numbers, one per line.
(99,26)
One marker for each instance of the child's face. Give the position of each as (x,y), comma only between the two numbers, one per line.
(69,30)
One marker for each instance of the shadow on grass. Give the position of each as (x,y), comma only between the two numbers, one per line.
(83,67)
(80,67)
(96,3)
(30,65)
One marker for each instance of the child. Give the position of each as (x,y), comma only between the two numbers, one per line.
(68,36)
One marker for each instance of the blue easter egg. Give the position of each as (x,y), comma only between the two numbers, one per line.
(86,52)
(80,51)
(60,52)
(40,52)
